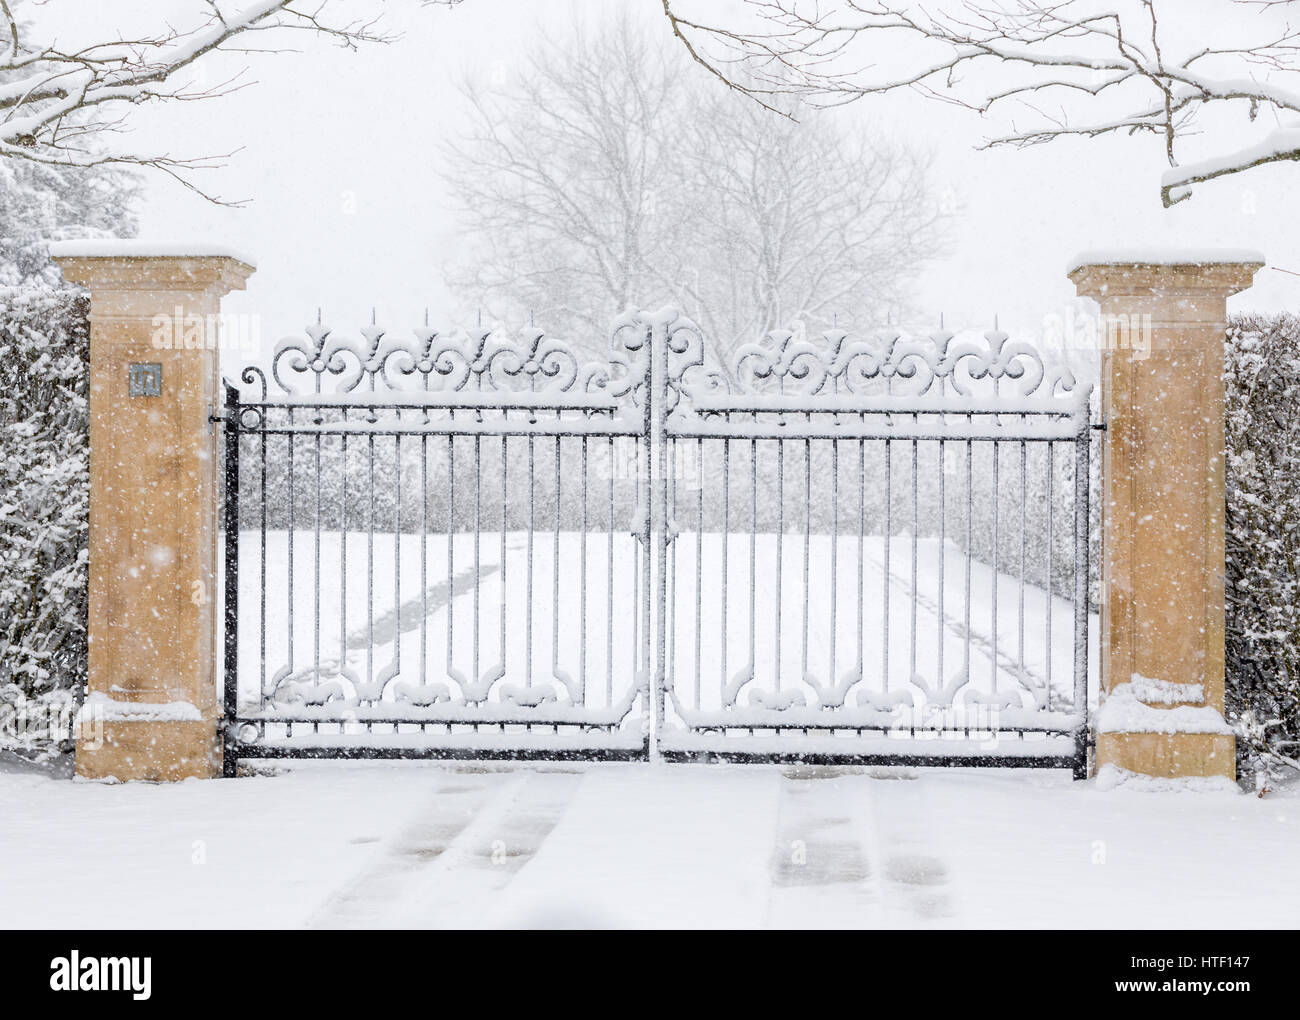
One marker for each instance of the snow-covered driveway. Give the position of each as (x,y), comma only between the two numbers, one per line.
(369,845)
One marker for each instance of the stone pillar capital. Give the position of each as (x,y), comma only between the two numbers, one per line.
(1176,289)
(120,266)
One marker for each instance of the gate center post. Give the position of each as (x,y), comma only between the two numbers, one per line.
(658,514)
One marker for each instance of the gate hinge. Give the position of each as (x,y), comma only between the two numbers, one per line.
(1098,426)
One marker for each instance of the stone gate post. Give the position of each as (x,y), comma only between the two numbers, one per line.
(151,709)
(1162,598)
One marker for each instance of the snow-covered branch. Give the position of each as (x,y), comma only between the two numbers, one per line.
(1046,69)
(62,106)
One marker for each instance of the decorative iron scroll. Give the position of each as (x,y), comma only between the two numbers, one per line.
(939,363)
(686,365)
(432,361)
(837,364)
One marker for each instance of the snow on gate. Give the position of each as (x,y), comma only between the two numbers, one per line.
(471,545)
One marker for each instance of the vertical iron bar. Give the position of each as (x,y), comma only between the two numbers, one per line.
(640,586)
(451,547)
(424,555)
(505,474)
(940,679)
(316,564)
(1082,479)
(780,541)
(862,545)
(997,458)
(889,534)
(916,527)
(832,680)
(262,426)
(726,543)
(478,538)
(753,554)
(370,562)
(1024,540)
(343,546)
(555,571)
(807,552)
(609,584)
(1051,515)
(261,502)
(582,581)
(289,537)
(397,551)
(229,765)
(528,573)
(699,561)
(670,635)
(970,503)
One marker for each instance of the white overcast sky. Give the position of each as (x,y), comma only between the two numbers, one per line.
(338,153)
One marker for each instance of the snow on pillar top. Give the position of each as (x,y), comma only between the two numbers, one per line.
(1156,256)
(1164,272)
(115,247)
(114,264)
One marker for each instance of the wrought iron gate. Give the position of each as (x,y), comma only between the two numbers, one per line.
(467,545)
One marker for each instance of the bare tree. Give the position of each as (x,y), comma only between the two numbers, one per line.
(801,224)
(1052,68)
(561,178)
(604,174)
(62,106)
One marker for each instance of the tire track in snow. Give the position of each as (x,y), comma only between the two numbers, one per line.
(448,867)
(854,848)
(821,874)
(470,881)
(457,800)
(903,844)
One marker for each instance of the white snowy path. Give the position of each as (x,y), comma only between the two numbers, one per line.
(376,845)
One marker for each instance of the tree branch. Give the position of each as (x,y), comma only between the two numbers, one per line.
(1079,71)
(49,95)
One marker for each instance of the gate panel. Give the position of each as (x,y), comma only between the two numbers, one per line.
(878,553)
(440,551)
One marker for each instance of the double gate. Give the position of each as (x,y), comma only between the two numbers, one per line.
(476,546)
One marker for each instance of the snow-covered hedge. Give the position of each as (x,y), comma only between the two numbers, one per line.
(44,496)
(1263,532)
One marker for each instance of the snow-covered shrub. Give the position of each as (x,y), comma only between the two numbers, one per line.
(44,496)
(1262,373)
(39,204)
(44,479)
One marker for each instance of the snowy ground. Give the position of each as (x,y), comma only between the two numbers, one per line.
(334,845)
